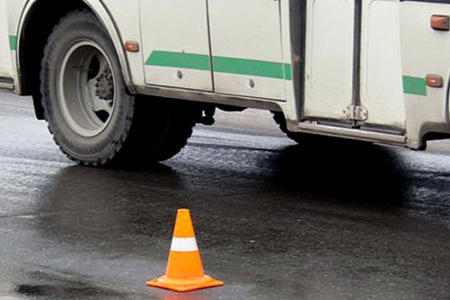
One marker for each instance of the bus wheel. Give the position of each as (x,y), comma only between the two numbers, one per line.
(92,117)
(279,118)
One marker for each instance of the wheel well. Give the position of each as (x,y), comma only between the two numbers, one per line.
(39,23)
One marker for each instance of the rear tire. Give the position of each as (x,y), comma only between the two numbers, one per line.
(92,117)
(295,136)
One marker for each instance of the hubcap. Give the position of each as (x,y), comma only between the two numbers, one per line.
(86,89)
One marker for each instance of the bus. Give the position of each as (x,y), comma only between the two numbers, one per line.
(126,81)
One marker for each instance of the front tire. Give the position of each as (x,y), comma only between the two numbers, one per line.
(92,117)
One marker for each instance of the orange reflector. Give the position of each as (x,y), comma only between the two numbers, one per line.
(439,22)
(434,80)
(132,46)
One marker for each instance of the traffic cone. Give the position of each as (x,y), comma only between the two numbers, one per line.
(184,270)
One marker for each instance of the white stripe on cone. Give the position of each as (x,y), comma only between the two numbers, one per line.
(184,244)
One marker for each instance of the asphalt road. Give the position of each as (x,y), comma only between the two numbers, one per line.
(273,220)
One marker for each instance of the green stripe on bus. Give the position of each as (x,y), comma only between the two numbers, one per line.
(414,86)
(179,60)
(250,67)
(221,64)
(287,69)
(13,42)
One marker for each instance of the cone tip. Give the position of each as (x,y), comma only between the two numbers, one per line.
(183,224)
(183,213)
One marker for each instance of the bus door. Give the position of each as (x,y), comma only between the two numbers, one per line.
(175,43)
(246,48)
(353,70)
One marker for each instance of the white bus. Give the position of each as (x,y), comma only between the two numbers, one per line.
(123,81)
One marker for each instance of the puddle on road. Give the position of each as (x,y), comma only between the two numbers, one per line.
(64,291)
(45,286)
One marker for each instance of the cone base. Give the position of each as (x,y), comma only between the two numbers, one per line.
(184,285)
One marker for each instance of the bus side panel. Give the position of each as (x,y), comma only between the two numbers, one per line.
(7,43)
(176,43)
(424,51)
(247,48)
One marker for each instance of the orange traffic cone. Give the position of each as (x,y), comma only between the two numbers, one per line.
(184,270)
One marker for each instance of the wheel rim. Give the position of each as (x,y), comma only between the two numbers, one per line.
(86,89)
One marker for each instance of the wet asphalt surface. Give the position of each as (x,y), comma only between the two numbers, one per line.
(273,220)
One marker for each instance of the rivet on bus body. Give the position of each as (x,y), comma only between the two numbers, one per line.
(251,83)
(439,22)
(434,80)
(179,75)
(132,46)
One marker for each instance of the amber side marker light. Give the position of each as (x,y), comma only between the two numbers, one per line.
(434,80)
(132,46)
(439,22)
